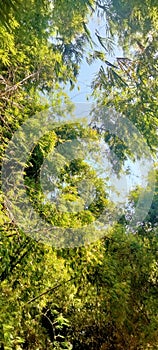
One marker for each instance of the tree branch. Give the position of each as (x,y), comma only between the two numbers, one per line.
(50,290)
(14,87)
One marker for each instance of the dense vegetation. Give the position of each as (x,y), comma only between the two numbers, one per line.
(96,287)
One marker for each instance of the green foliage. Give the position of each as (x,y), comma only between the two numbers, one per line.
(33,57)
(102,295)
(130,21)
(78,195)
(131,90)
(122,290)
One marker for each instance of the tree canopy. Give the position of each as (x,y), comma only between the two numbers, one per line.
(96,288)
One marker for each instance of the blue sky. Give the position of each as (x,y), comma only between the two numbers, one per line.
(81,94)
(88,72)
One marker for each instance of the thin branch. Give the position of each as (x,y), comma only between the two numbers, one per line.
(51,323)
(14,87)
(50,290)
